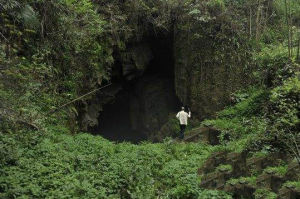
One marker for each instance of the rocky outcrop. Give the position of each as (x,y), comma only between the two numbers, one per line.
(130,64)
(152,101)
(207,66)
(194,61)
(207,135)
(250,176)
(89,110)
(135,60)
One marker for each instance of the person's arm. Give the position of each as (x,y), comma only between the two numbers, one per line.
(189,115)
(177,116)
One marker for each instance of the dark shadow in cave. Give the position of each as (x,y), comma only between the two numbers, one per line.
(163,62)
(114,120)
(145,102)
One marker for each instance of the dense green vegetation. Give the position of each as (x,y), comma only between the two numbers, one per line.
(264,116)
(52,52)
(58,165)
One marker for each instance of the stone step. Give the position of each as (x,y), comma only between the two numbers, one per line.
(236,160)
(207,135)
(192,138)
(238,163)
(284,193)
(209,181)
(240,190)
(244,166)
(220,187)
(270,181)
(288,193)
(212,162)
(256,164)
(293,171)
(215,179)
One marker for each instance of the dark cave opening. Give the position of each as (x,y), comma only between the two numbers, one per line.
(114,120)
(163,62)
(145,101)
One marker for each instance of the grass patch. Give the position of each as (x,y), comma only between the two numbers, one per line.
(293,184)
(243,180)
(280,170)
(260,154)
(265,194)
(224,168)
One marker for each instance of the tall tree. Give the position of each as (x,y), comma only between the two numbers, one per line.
(288,26)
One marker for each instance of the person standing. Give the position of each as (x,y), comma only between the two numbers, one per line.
(183,116)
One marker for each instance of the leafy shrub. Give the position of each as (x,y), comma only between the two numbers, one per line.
(292,184)
(218,5)
(244,118)
(285,115)
(224,167)
(264,194)
(274,65)
(250,103)
(280,170)
(262,119)
(170,128)
(285,103)
(244,180)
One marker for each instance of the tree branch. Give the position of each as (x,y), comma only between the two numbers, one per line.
(79,98)
(4,37)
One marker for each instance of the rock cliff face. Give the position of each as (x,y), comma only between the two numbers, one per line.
(153,100)
(89,110)
(135,60)
(194,63)
(207,69)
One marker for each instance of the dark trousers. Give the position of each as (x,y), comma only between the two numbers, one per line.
(182,129)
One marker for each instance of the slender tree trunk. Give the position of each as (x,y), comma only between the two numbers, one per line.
(250,22)
(291,29)
(288,27)
(261,20)
(266,16)
(298,50)
(258,13)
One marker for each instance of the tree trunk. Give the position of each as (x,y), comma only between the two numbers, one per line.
(250,22)
(298,50)
(291,30)
(258,21)
(266,15)
(288,27)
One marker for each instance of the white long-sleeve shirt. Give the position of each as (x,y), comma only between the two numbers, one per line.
(183,117)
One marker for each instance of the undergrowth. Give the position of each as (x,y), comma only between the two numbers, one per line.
(59,165)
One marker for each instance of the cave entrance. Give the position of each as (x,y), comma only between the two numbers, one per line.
(114,120)
(147,98)
(163,59)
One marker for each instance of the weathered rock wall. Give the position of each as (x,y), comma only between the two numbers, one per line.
(209,66)
(196,47)
(152,102)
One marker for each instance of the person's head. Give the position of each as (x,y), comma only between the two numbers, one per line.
(182,108)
